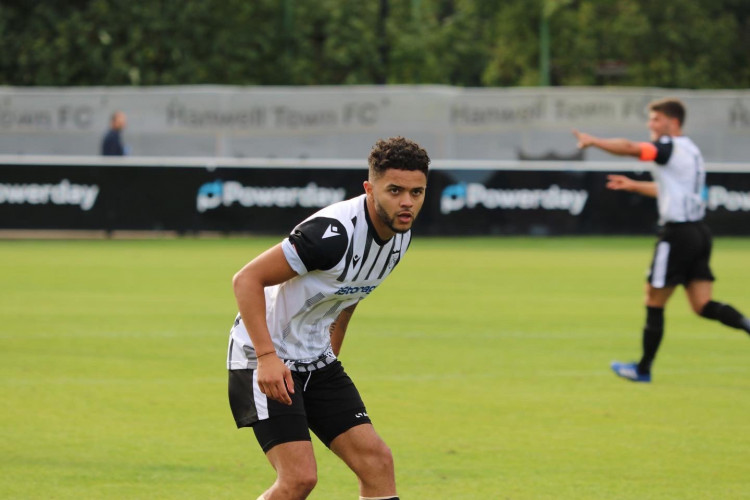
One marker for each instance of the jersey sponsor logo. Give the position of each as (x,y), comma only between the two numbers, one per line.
(331,231)
(733,201)
(63,193)
(469,196)
(212,195)
(349,290)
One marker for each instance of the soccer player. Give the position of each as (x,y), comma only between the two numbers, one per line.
(683,250)
(295,302)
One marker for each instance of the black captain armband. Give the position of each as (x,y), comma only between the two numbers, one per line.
(320,242)
(664,147)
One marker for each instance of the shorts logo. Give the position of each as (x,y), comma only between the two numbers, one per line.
(362,414)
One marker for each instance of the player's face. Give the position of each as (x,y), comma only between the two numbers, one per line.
(396,198)
(119,121)
(660,124)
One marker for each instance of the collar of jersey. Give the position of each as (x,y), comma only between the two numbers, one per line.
(371,227)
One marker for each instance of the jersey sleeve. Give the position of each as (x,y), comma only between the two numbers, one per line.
(664,148)
(316,244)
(658,151)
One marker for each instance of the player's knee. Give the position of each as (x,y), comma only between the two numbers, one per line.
(387,457)
(307,485)
(709,310)
(699,307)
(307,482)
(300,484)
(380,461)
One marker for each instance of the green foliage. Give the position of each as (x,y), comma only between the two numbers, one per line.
(682,43)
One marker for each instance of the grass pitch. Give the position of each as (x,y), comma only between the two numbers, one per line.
(483,362)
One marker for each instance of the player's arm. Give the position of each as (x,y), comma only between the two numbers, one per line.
(616,146)
(339,326)
(268,269)
(622,183)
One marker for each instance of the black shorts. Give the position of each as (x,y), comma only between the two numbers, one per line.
(682,255)
(324,400)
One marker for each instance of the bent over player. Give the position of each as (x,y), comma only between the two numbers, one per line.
(295,302)
(683,250)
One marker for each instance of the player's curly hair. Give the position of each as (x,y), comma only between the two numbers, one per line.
(397,152)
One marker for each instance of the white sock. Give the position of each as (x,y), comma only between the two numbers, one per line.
(377,498)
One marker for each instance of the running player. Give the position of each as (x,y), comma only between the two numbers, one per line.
(295,302)
(683,250)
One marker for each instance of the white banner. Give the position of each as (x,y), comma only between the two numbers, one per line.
(344,122)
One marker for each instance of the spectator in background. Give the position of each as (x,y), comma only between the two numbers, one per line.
(112,143)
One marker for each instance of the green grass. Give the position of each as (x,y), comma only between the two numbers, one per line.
(483,362)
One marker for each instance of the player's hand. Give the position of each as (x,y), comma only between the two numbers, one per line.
(275,379)
(584,140)
(619,183)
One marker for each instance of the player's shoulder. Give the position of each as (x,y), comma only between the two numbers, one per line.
(665,139)
(322,239)
(664,146)
(685,141)
(686,146)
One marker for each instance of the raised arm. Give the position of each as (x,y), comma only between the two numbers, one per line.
(615,146)
(268,269)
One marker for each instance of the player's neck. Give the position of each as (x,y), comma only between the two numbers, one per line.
(381,229)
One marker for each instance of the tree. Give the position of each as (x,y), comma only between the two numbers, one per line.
(682,43)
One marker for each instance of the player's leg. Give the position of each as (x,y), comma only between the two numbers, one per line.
(369,458)
(665,274)
(699,294)
(667,271)
(653,330)
(296,471)
(700,286)
(281,430)
(663,277)
(338,416)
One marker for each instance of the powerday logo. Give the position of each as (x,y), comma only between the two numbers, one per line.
(472,195)
(212,195)
(732,201)
(63,193)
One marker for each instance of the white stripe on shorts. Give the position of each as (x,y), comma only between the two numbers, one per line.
(659,273)
(261,400)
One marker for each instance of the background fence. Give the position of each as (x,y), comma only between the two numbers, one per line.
(264,196)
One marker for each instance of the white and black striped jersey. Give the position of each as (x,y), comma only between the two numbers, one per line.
(681,180)
(339,260)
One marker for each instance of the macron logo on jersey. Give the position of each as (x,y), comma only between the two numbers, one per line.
(331,231)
